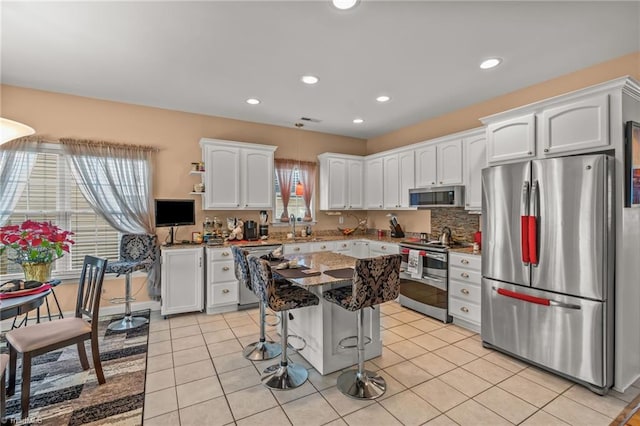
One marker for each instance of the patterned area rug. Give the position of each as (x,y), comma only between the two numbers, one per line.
(62,393)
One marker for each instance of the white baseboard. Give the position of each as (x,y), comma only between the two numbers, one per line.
(119,309)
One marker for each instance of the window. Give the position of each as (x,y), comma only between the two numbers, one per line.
(51,194)
(296,202)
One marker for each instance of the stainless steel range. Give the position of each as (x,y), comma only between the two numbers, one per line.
(424,278)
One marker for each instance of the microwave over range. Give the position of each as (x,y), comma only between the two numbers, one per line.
(442,196)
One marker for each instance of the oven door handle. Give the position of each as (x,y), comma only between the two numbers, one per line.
(433,278)
(439,257)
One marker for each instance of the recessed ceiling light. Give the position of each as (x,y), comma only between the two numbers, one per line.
(383,98)
(344,4)
(490,63)
(358,121)
(310,79)
(253,101)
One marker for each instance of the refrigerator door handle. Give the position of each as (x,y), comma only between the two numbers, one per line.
(533,224)
(534,299)
(524,223)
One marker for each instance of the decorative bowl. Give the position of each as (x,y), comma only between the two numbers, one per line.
(347,231)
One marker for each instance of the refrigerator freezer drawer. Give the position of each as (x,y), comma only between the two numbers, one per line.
(562,333)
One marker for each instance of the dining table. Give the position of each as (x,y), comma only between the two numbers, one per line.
(323,326)
(11,307)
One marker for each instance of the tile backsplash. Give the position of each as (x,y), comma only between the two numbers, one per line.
(463,225)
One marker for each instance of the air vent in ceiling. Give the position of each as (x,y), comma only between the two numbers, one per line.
(312,120)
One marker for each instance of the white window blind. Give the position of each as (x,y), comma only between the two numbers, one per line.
(51,194)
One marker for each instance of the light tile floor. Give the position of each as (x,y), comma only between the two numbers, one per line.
(436,374)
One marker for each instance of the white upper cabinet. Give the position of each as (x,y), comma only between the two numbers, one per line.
(237,175)
(511,139)
(426,166)
(373,183)
(398,178)
(449,167)
(578,125)
(475,154)
(341,182)
(439,163)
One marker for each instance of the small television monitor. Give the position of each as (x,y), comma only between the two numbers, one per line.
(175,212)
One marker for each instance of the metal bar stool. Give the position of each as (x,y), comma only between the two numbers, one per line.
(262,349)
(375,280)
(280,298)
(138,252)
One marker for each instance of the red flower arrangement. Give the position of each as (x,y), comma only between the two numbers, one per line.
(34,242)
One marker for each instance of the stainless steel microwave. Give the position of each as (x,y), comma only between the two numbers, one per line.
(442,196)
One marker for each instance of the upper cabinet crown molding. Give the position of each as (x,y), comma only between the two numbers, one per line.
(238,175)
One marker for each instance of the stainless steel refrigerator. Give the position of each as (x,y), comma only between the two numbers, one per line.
(548,264)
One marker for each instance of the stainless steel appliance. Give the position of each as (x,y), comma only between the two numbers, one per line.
(263,228)
(426,288)
(246,298)
(548,263)
(441,196)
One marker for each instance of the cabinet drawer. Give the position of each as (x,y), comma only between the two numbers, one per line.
(472,262)
(323,246)
(464,310)
(465,275)
(220,254)
(222,271)
(465,291)
(343,246)
(223,294)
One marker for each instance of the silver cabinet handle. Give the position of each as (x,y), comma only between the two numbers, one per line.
(464,261)
(383,247)
(323,247)
(464,291)
(225,253)
(296,249)
(225,268)
(529,153)
(344,245)
(546,150)
(464,309)
(225,290)
(464,275)
(200,261)
(380,205)
(433,183)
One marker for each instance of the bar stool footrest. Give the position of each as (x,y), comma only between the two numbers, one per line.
(342,345)
(296,337)
(273,324)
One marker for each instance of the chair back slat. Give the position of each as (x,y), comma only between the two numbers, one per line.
(375,280)
(90,287)
(241,267)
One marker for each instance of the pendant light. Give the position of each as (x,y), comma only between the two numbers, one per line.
(10,130)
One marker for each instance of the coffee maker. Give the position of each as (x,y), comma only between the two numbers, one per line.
(264,223)
(250,230)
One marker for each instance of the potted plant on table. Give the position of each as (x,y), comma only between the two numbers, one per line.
(35,246)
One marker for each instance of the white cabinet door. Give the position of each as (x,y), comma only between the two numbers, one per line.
(475,160)
(359,249)
(391,180)
(258,182)
(449,167)
(579,125)
(222,285)
(338,175)
(426,160)
(355,183)
(406,177)
(182,288)
(237,175)
(222,177)
(373,183)
(511,139)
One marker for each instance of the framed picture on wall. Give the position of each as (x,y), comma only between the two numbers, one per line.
(632,165)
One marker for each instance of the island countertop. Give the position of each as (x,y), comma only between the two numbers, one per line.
(320,262)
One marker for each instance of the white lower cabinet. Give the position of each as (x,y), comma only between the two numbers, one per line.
(222,285)
(181,280)
(464,290)
(296,248)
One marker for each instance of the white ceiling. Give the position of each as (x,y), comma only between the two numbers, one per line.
(209,56)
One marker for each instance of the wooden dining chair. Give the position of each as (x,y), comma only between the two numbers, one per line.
(45,337)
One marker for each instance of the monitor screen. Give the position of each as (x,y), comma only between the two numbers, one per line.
(175,212)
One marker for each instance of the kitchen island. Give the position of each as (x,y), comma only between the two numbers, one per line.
(324,325)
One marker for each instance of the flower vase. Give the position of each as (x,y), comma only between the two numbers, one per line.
(36,271)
